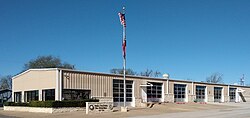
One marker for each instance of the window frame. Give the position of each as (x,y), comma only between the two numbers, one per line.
(32,95)
(76,94)
(118,92)
(200,93)
(48,94)
(179,92)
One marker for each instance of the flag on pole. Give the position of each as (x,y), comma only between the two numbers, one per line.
(122,19)
(123,23)
(124,48)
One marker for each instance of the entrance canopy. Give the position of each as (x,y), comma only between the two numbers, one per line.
(146,85)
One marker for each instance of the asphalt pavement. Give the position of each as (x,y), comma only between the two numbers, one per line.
(240,111)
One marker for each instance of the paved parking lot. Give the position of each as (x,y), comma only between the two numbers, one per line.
(170,110)
(238,110)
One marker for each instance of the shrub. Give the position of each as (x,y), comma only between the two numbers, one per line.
(53,104)
(195,100)
(71,103)
(41,103)
(15,104)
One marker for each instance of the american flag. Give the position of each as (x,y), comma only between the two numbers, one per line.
(122,19)
(124,47)
(123,23)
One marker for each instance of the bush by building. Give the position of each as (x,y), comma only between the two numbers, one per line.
(53,104)
(15,104)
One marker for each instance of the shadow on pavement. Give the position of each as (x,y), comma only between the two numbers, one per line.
(3,116)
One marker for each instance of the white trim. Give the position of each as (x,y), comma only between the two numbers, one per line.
(186,95)
(222,95)
(240,90)
(192,88)
(238,98)
(40,95)
(23,96)
(167,86)
(145,85)
(133,95)
(13,96)
(60,85)
(57,86)
(163,92)
(228,92)
(144,94)
(206,94)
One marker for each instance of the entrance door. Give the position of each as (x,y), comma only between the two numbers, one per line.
(179,92)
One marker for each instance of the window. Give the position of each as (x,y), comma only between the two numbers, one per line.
(31,95)
(217,94)
(75,94)
(118,92)
(232,92)
(179,92)
(17,96)
(200,93)
(48,94)
(154,93)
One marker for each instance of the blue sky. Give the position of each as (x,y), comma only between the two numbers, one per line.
(189,39)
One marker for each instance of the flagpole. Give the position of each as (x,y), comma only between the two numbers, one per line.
(124,65)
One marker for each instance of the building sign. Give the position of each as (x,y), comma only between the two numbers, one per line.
(98,107)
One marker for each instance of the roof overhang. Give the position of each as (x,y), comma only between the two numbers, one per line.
(146,85)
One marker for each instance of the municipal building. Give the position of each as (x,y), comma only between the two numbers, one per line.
(65,84)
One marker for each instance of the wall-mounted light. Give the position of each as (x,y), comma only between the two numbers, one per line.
(66,76)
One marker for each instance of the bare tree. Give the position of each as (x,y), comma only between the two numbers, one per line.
(147,73)
(120,71)
(157,73)
(215,78)
(6,82)
(150,73)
